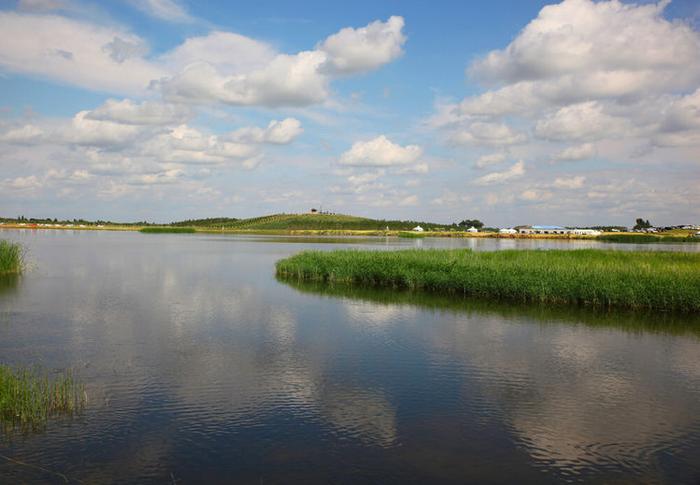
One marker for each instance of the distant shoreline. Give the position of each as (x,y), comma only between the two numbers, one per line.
(314,232)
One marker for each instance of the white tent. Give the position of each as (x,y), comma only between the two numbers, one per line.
(472,229)
(418,229)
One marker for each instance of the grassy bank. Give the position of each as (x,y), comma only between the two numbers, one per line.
(28,398)
(10,257)
(638,280)
(167,229)
(646,238)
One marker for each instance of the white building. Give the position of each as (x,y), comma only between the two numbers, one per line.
(507,231)
(418,229)
(472,229)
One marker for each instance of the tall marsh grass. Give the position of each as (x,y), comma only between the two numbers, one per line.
(29,398)
(10,257)
(167,229)
(665,281)
(645,238)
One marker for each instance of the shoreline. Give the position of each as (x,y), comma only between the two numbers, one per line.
(359,233)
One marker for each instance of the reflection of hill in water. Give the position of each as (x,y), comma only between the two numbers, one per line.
(631,321)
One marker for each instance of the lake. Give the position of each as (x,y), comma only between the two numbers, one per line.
(200,366)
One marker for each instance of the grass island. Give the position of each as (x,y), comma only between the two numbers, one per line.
(659,281)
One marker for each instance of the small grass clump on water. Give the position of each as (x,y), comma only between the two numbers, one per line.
(28,398)
(411,235)
(168,229)
(10,257)
(665,281)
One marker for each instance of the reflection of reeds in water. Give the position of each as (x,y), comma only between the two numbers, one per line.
(10,258)
(661,281)
(627,320)
(28,398)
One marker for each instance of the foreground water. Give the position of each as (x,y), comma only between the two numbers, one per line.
(201,367)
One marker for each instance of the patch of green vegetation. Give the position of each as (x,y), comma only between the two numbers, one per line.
(29,398)
(209,222)
(167,229)
(10,257)
(411,235)
(289,222)
(645,238)
(665,281)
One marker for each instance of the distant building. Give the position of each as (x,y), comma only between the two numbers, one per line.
(543,230)
(418,229)
(313,211)
(507,231)
(472,229)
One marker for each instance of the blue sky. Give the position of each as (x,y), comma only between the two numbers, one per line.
(513,112)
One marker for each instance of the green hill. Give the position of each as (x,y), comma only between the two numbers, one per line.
(292,222)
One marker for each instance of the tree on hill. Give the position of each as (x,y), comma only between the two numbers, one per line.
(471,223)
(642,224)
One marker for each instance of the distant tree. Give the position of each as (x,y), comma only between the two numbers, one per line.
(472,223)
(642,224)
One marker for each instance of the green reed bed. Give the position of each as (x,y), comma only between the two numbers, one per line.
(411,235)
(166,229)
(10,257)
(665,281)
(28,398)
(646,238)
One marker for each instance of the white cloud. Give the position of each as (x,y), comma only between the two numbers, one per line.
(357,50)
(73,51)
(581,121)
(145,113)
(221,67)
(269,79)
(490,159)
(515,171)
(533,195)
(380,152)
(575,182)
(626,48)
(585,71)
(577,152)
(23,134)
(490,134)
(22,183)
(277,132)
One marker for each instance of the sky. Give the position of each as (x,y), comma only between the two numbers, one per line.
(509,111)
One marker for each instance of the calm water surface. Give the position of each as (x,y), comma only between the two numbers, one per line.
(201,367)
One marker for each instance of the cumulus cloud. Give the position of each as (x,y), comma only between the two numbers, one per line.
(577,152)
(380,152)
(492,134)
(515,171)
(581,121)
(22,134)
(271,79)
(276,132)
(222,67)
(357,50)
(128,112)
(74,52)
(490,159)
(617,74)
(575,182)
